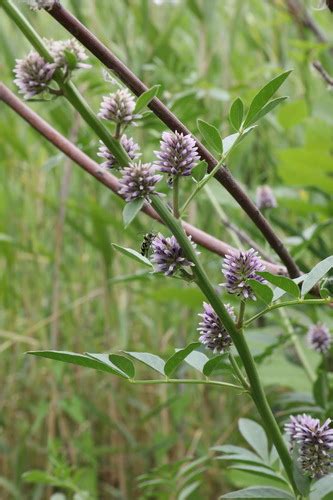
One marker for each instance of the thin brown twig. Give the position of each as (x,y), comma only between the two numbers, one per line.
(323,73)
(111,182)
(301,16)
(79,31)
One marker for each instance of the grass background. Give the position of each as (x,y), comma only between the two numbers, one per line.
(58,270)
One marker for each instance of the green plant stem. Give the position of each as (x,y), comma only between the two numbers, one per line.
(241,314)
(117,132)
(202,183)
(239,373)
(257,390)
(298,347)
(175,196)
(175,226)
(185,381)
(287,303)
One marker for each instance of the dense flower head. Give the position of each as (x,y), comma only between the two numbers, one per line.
(33,74)
(138,181)
(315,444)
(168,255)
(291,427)
(58,49)
(319,338)
(177,155)
(240,266)
(212,332)
(131,148)
(118,107)
(265,198)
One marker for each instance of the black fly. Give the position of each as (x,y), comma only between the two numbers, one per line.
(146,243)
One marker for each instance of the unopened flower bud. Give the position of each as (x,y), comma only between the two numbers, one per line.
(265,198)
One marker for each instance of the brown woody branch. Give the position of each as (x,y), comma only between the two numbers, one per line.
(79,31)
(301,16)
(323,73)
(110,181)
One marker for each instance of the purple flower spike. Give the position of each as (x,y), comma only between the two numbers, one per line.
(315,443)
(213,334)
(177,155)
(239,267)
(33,74)
(168,255)
(138,181)
(292,426)
(319,338)
(118,107)
(265,198)
(127,143)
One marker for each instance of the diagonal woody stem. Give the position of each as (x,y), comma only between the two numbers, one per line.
(79,31)
(108,180)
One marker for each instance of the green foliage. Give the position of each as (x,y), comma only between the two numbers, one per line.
(316,274)
(122,366)
(282,282)
(131,210)
(261,462)
(261,291)
(176,359)
(74,290)
(145,98)
(236,113)
(133,254)
(199,172)
(260,104)
(259,492)
(211,136)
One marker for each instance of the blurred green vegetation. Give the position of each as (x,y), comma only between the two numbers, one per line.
(58,270)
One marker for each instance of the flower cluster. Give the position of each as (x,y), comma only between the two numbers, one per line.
(168,255)
(59,50)
(131,148)
(319,338)
(212,332)
(138,181)
(177,155)
(265,198)
(33,74)
(118,107)
(238,268)
(315,444)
